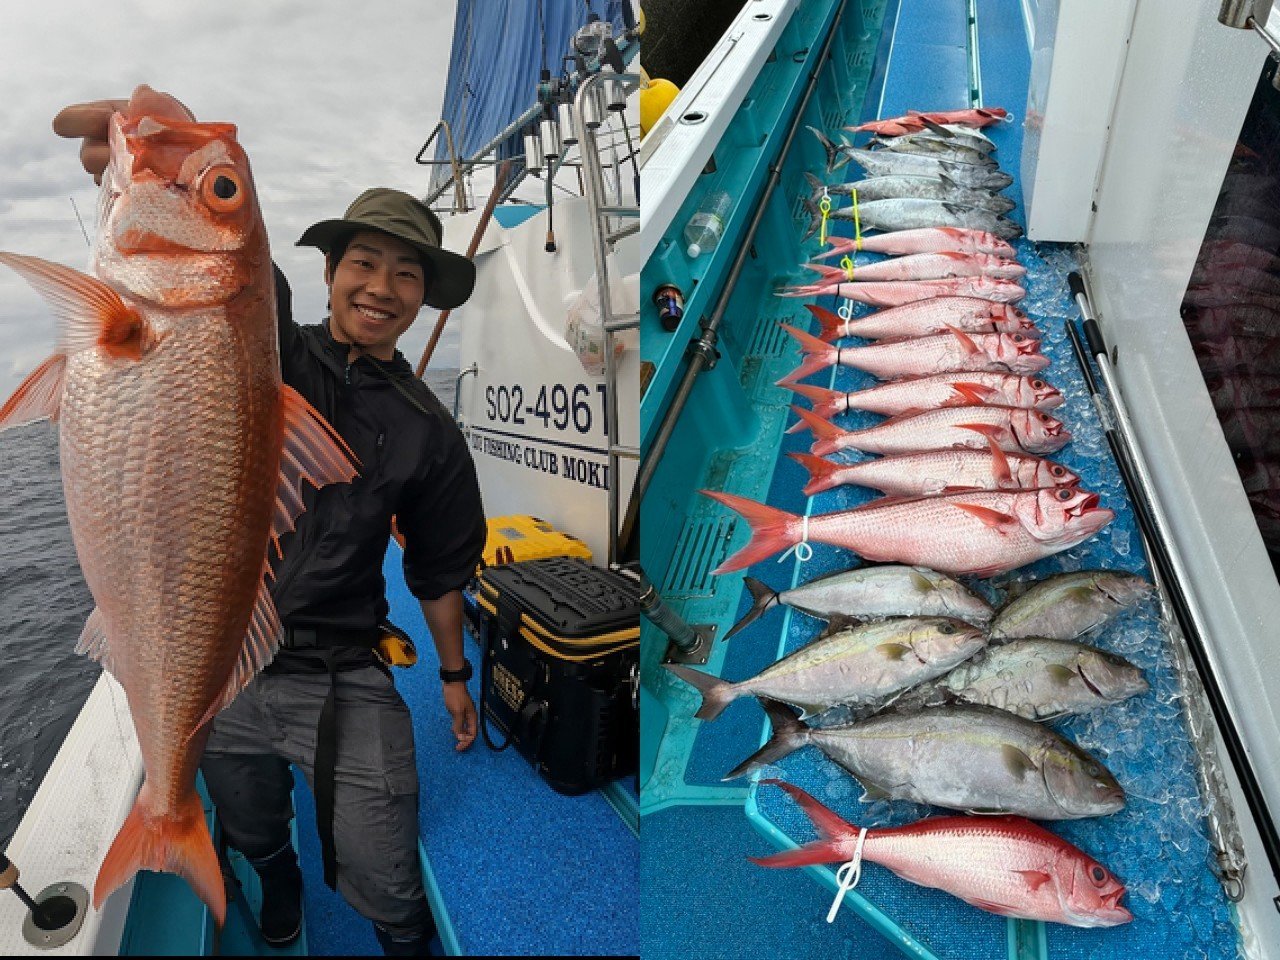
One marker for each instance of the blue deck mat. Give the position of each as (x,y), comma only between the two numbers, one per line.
(1157,844)
(756,913)
(522,870)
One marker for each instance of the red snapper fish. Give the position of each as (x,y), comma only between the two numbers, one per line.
(972,389)
(925,266)
(951,352)
(930,473)
(894,293)
(980,533)
(1012,429)
(914,121)
(182,455)
(922,240)
(924,318)
(1005,865)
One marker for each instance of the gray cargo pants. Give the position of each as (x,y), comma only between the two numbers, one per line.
(271,724)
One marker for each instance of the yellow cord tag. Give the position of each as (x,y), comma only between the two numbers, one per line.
(825,207)
(848,267)
(857,223)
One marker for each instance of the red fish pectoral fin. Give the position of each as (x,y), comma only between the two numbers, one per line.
(89,312)
(177,844)
(1035,878)
(994,519)
(966,341)
(971,394)
(999,464)
(39,396)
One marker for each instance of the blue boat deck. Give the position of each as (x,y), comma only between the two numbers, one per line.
(513,868)
(701,897)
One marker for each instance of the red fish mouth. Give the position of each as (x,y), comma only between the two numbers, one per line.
(1086,504)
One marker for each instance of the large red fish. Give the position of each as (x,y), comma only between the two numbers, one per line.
(982,532)
(1005,865)
(182,455)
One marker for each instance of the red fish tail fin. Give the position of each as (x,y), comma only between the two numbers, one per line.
(826,403)
(838,834)
(178,844)
(833,325)
(828,273)
(839,247)
(817,354)
(772,530)
(821,472)
(826,435)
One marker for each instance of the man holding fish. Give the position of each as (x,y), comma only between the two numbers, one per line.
(324,700)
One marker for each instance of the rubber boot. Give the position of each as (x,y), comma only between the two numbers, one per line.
(423,945)
(280,919)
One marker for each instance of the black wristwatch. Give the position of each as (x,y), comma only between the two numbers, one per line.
(461,675)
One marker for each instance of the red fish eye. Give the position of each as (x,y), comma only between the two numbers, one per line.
(1098,875)
(222,189)
(1018,338)
(1058,471)
(1064,495)
(1038,384)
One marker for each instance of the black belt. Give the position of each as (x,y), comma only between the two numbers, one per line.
(330,651)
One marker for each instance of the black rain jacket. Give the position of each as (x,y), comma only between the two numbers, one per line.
(414,465)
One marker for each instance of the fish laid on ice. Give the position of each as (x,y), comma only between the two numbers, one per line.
(921,188)
(182,455)
(1004,865)
(970,389)
(922,240)
(932,473)
(1036,678)
(861,664)
(895,293)
(924,266)
(1011,429)
(1068,605)
(867,593)
(961,756)
(922,318)
(910,213)
(929,145)
(889,163)
(914,120)
(952,352)
(981,532)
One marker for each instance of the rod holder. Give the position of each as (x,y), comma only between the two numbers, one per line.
(594,109)
(564,114)
(533,158)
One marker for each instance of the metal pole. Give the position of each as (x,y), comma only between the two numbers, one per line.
(703,350)
(595,202)
(518,124)
(1172,573)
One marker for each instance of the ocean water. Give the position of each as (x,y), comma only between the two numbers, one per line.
(43,605)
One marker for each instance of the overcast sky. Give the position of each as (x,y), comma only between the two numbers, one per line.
(329,96)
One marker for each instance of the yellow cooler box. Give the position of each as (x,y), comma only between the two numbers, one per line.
(518,537)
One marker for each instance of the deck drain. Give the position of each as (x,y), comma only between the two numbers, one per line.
(703,545)
(769,340)
(693,116)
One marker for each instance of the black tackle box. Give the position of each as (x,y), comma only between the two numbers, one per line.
(560,675)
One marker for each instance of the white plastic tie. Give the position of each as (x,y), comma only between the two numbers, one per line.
(848,876)
(802,550)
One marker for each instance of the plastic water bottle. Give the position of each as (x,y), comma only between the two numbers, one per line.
(706,227)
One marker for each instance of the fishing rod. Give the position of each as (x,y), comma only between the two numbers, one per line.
(1155,530)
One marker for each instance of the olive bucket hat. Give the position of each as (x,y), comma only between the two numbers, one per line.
(452,277)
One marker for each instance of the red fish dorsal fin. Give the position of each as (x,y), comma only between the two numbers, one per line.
(313,452)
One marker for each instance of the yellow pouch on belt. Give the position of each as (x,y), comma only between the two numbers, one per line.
(395,646)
